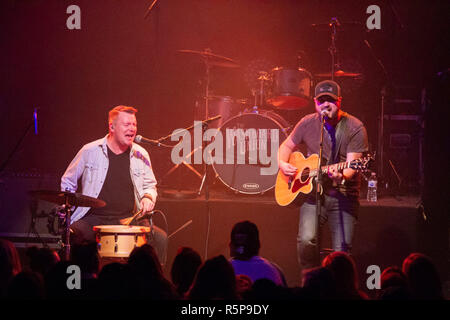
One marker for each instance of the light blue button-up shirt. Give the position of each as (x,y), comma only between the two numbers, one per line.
(91,165)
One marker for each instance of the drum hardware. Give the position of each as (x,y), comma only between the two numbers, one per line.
(34,216)
(336,72)
(68,200)
(339,74)
(220,61)
(210,59)
(263,77)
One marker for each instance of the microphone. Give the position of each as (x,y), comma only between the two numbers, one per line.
(141,139)
(323,113)
(35,117)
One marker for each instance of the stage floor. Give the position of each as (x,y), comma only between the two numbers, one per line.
(385,234)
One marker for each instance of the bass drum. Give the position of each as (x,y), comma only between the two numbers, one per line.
(249,162)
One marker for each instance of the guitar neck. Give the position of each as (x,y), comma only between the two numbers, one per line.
(340,166)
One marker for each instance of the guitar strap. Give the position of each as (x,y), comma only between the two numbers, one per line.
(340,133)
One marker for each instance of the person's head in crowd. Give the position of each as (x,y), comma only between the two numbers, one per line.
(318,283)
(42,259)
(215,280)
(114,282)
(423,277)
(86,256)
(144,260)
(265,289)
(344,271)
(244,240)
(147,279)
(393,277)
(56,282)
(27,285)
(393,285)
(10,264)
(184,267)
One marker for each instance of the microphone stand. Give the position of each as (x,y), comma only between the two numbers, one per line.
(319,188)
(205,184)
(332,49)
(380,146)
(162,139)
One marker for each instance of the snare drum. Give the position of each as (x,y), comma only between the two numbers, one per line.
(118,241)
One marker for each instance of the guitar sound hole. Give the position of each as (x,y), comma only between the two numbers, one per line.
(305,175)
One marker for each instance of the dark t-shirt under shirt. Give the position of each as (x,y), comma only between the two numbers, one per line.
(349,135)
(117,190)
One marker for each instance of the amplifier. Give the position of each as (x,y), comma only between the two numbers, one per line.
(18,210)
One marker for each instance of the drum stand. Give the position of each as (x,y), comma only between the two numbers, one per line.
(205,127)
(206,58)
(332,49)
(67,209)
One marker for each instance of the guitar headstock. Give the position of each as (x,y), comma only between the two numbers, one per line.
(362,164)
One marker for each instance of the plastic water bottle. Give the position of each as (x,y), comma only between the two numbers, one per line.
(372,187)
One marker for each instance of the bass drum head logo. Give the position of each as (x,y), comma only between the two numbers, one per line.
(250,186)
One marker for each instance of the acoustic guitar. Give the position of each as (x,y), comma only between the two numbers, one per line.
(288,188)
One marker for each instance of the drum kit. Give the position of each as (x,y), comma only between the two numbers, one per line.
(275,91)
(113,241)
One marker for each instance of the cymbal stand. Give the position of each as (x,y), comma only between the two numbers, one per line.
(205,126)
(263,76)
(332,49)
(67,209)
(206,98)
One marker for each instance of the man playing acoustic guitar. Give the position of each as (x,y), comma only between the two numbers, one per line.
(345,139)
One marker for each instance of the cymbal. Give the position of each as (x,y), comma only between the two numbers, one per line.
(74,199)
(327,25)
(339,74)
(207,54)
(225,64)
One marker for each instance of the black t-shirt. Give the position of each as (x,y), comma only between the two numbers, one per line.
(349,135)
(117,190)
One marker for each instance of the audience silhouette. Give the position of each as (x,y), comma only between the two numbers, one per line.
(244,250)
(423,277)
(344,271)
(246,276)
(184,267)
(10,265)
(394,285)
(215,280)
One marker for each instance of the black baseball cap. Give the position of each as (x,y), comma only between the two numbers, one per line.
(327,88)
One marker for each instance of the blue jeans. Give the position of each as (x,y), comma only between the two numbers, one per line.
(340,212)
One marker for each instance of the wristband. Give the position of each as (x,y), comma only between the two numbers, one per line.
(148,197)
